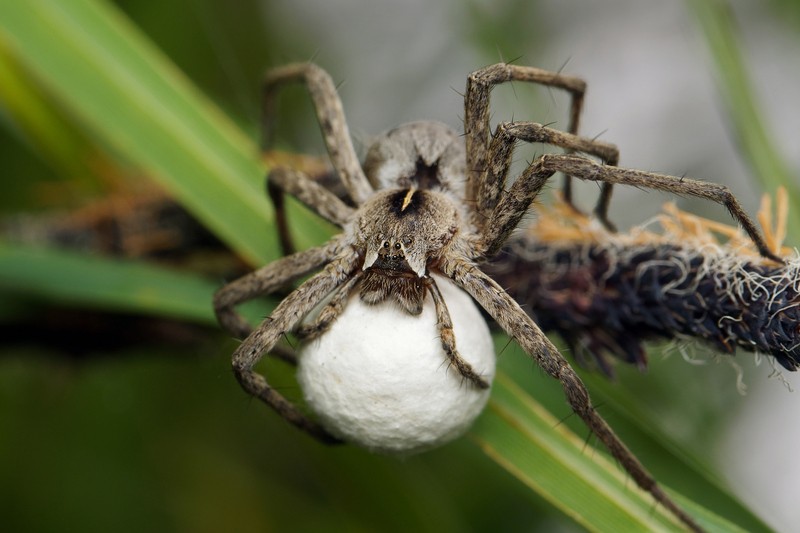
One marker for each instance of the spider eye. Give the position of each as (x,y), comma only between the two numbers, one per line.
(385,244)
(397,246)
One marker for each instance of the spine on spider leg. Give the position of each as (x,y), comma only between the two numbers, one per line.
(607,294)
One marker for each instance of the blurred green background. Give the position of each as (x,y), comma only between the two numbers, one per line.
(117,406)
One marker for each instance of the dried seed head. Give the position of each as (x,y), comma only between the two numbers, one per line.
(606,294)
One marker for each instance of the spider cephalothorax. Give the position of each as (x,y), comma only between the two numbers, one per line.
(403,229)
(402,232)
(426,204)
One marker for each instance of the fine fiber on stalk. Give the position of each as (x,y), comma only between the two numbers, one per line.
(679,276)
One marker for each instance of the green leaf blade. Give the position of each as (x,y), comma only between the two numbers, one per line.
(528,441)
(136,104)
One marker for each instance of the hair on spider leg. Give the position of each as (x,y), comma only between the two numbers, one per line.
(410,230)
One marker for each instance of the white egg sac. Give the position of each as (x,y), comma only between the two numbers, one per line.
(379,377)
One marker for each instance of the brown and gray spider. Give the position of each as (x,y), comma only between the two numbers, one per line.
(429,202)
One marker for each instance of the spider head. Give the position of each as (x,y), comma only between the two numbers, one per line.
(402,229)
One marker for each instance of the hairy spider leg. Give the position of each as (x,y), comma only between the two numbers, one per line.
(284,318)
(330,115)
(514,321)
(282,180)
(476,124)
(329,313)
(501,151)
(448,337)
(513,205)
(509,208)
(335,133)
(267,280)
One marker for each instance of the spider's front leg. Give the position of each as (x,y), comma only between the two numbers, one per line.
(476,126)
(512,206)
(283,319)
(476,108)
(586,169)
(264,281)
(501,150)
(514,321)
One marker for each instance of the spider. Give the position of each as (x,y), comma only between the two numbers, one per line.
(427,201)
